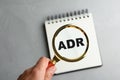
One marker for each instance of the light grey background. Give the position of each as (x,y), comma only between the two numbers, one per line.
(23,40)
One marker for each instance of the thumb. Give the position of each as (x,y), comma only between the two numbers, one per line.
(50,72)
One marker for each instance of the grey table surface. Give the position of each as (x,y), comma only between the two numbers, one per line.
(23,40)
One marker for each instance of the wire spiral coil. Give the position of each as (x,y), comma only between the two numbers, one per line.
(68,16)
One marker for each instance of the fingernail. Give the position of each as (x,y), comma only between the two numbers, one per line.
(50,64)
(52,69)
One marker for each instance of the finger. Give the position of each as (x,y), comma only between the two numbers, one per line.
(26,72)
(40,67)
(50,72)
(42,63)
(50,64)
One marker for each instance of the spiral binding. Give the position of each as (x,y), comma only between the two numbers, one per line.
(51,19)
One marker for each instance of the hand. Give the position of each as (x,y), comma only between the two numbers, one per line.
(41,71)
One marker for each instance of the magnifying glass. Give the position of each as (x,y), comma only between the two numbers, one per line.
(70,43)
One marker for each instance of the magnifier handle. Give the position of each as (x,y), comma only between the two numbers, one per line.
(53,61)
(50,64)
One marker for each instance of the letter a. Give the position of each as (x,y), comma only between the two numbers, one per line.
(61,45)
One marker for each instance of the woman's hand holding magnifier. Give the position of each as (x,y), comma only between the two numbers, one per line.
(42,70)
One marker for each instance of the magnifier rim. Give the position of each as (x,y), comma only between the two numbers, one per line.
(64,58)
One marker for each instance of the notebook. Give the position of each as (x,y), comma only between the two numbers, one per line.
(72,41)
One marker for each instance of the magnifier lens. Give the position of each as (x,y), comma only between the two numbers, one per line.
(70,43)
